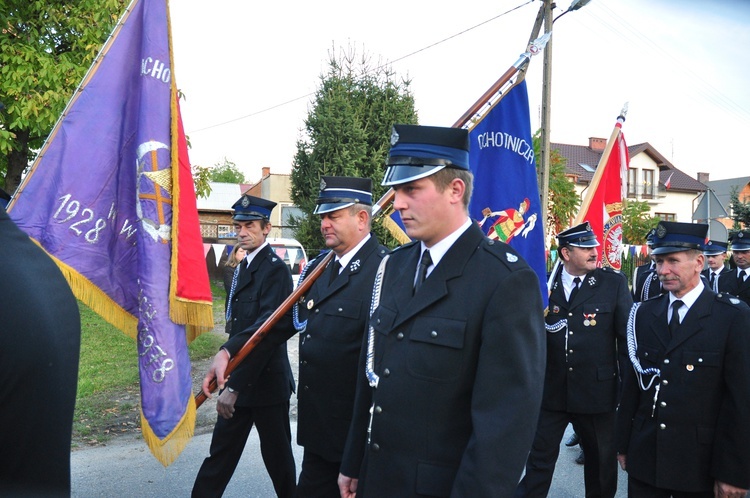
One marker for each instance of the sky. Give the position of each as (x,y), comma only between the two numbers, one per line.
(249,70)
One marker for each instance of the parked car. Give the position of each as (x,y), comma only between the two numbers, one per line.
(292,253)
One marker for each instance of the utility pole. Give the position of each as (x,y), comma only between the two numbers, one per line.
(544,152)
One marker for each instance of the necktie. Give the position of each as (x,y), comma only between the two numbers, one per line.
(712,280)
(674,322)
(235,277)
(335,268)
(424,263)
(743,276)
(574,290)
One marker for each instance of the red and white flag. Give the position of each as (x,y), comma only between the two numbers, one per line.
(602,207)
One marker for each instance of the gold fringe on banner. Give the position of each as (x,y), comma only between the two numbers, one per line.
(198,317)
(168,449)
(395,230)
(96,299)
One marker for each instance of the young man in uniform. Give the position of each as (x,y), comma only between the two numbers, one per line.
(455,346)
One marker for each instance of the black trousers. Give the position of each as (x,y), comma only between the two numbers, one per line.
(228,443)
(597,440)
(640,489)
(318,478)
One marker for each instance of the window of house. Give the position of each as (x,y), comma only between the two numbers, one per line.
(226,232)
(632,181)
(666,216)
(648,183)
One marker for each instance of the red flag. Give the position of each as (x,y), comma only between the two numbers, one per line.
(604,209)
(668,183)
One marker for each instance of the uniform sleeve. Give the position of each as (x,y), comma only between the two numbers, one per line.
(622,311)
(731,458)
(507,389)
(356,440)
(275,288)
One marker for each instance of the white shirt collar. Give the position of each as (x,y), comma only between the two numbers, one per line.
(249,256)
(688,299)
(438,250)
(344,260)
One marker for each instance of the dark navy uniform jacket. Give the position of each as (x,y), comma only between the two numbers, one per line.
(265,376)
(644,275)
(461,366)
(729,283)
(583,359)
(329,350)
(700,428)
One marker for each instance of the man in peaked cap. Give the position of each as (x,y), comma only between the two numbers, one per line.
(737,281)
(645,280)
(588,313)
(332,317)
(682,422)
(259,389)
(715,252)
(457,357)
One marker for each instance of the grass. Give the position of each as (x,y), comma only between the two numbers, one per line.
(108,392)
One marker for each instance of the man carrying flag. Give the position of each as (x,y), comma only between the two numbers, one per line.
(128,238)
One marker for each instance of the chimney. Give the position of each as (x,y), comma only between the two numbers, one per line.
(597,143)
(703,177)
(266,171)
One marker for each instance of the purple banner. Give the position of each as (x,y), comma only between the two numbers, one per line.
(99,199)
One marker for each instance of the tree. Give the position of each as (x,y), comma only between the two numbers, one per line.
(563,200)
(636,222)
(347,132)
(740,210)
(46,47)
(226,172)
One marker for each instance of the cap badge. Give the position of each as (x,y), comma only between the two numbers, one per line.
(740,235)
(661,231)
(322,184)
(245,201)
(394,137)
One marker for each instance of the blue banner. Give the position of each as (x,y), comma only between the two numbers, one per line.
(505,201)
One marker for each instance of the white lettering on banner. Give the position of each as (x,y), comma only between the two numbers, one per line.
(155,69)
(84,221)
(504,140)
(146,341)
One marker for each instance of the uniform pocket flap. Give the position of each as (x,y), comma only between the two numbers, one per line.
(597,308)
(439,331)
(701,358)
(348,308)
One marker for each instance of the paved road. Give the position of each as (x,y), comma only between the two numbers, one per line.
(128,469)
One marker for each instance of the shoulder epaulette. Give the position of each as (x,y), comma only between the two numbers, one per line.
(729,299)
(502,251)
(410,244)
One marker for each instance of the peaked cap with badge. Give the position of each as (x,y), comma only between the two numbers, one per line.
(715,248)
(650,237)
(673,236)
(578,236)
(420,151)
(338,192)
(249,208)
(741,241)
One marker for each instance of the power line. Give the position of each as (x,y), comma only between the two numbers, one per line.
(379,67)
